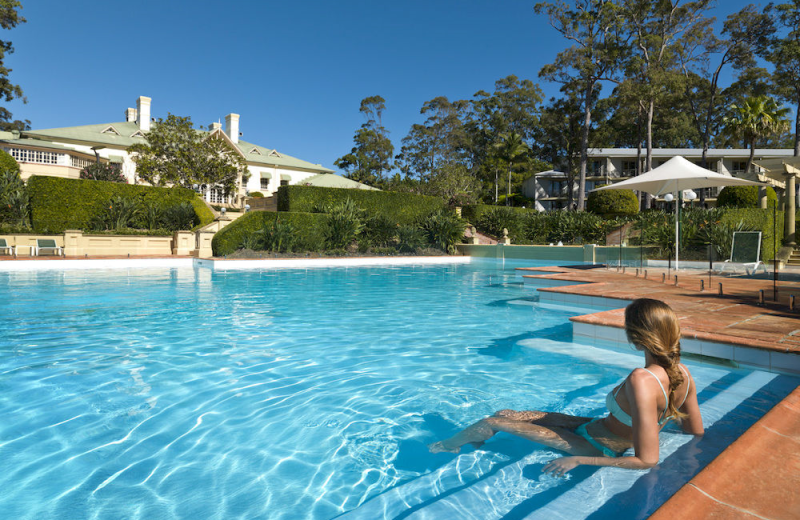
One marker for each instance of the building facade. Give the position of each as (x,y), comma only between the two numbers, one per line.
(610,165)
(64,152)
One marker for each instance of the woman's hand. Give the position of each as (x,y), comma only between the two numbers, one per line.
(560,466)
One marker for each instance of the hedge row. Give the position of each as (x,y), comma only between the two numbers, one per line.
(309,227)
(59,204)
(759,220)
(403,208)
(474,212)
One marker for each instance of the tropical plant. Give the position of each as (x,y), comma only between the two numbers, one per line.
(379,231)
(345,221)
(498,218)
(758,117)
(121,212)
(152,215)
(444,229)
(179,216)
(720,236)
(510,148)
(410,238)
(14,200)
(278,236)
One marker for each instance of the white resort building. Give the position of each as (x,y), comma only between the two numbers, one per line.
(64,152)
(609,165)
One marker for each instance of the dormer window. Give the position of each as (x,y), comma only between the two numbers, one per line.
(255,151)
(137,133)
(274,153)
(110,130)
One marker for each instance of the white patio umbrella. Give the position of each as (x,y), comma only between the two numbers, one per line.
(675,176)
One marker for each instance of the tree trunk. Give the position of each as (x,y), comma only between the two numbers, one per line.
(649,156)
(797,129)
(587,122)
(508,188)
(640,194)
(496,185)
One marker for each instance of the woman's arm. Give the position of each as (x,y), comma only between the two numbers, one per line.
(560,466)
(694,422)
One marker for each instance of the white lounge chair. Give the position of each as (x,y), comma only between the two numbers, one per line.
(7,249)
(745,253)
(46,245)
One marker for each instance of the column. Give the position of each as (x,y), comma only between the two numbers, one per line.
(791,201)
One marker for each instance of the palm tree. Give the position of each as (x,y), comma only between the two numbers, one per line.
(759,117)
(510,147)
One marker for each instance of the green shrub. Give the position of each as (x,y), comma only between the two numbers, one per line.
(8,163)
(257,195)
(494,220)
(343,224)
(14,198)
(120,214)
(474,212)
(612,203)
(103,172)
(279,236)
(403,208)
(444,229)
(379,231)
(58,204)
(204,215)
(743,197)
(759,220)
(180,216)
(308,228)
(410,238)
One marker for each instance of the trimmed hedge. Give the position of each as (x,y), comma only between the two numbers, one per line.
(760,220)
(612,203)
(59,204)
(474,212)
(403,208)
(7,162)
(743,197)
(309,227)
(202,211)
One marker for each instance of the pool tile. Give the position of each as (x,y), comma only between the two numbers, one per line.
(716,350)
(752,357)
(780,361)
(691,346)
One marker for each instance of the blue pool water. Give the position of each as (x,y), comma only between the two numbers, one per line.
(190,393)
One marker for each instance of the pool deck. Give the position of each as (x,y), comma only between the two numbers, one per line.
(759,474)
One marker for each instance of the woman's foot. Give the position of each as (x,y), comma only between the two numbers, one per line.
(440,447)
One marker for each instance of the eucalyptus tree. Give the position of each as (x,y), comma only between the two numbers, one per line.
(745,34)
(372,152)
(785,55)
(9,18)
(561,124)
(595,29)
(656,29)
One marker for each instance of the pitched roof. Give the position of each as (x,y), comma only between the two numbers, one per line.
(125,134)
(330,180)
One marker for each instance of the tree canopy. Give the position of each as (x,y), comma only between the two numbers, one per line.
(9,18)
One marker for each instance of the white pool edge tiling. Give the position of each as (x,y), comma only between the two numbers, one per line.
(224,265)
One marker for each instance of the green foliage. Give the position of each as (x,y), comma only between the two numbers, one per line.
(308,228)
(759,220)
(8,163)
(103,172)
(343,224)
(257,195)
(204,215)
(372,152)
(379,231)
(613,203)
(177,154)
(278,236)
(180,216)
(568,227)
(494,220)
(444,230)
(473,213)
(14,198)
(403,208)
(9,18)
(120,214)
(410,239)
(743,197)
(59,204)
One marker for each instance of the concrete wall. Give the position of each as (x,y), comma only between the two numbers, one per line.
(590,254)
(50,170)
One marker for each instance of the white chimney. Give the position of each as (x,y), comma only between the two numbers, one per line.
(143,113)
(130,114)
(232,127)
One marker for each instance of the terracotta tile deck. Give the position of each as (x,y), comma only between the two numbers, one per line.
(758,476)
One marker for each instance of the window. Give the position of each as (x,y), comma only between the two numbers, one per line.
(594,168)
(77,162)
(217,196)
(33,156)
(284,182)
(274,153)
(628,168)
(264,184)
(255,151)
(739,166)
(137,133)
(110,130)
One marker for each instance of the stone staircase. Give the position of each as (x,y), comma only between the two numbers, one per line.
(794,258)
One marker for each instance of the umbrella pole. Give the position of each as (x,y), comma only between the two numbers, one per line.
(677,227)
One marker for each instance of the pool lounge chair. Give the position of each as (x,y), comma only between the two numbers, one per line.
(745,252)
(7,249)
(46,245)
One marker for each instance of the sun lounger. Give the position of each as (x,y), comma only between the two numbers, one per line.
(6,249)
(745,253)
(46,245)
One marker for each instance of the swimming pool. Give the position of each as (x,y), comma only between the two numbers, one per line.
(177,393)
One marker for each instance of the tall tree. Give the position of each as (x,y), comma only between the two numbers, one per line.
(178,155)
(594,28)
(785,55)
(561,121)
(511,148)
(371,155)
(745,34)
(9,18)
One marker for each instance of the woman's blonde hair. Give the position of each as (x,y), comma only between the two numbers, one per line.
(652,325)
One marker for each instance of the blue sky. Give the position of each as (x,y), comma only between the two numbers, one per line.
(295,71)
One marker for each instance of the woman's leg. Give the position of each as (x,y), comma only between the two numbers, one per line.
(553,431)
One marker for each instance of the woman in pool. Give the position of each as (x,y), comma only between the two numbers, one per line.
(638,407)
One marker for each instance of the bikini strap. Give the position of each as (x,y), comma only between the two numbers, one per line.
(666,399)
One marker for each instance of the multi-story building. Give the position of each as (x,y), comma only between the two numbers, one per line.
(609,165)
(64,152)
